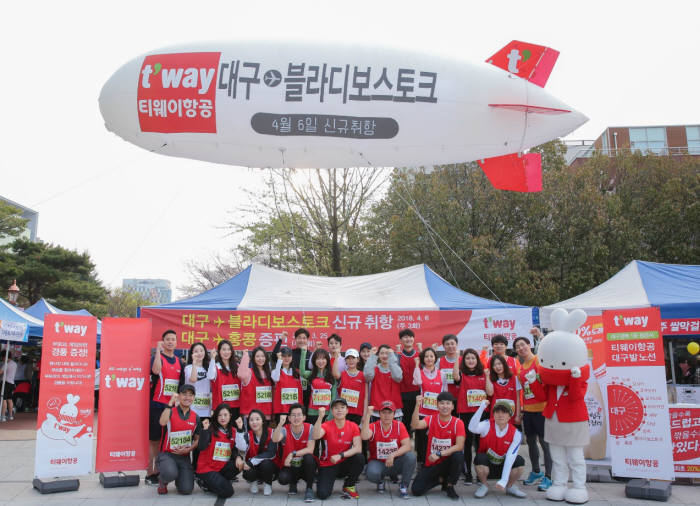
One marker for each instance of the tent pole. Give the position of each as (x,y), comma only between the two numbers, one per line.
(673,365)
(4,373)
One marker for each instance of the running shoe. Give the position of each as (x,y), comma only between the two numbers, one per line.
(162,488)
(350,493)
(450,491)
(267,489)
(481,491)
(381,487)
(403,492)
(544,484)
(515,491)
(292,489)
(253,487)
(533,478)
(309,495)
(151,479)
(468,480)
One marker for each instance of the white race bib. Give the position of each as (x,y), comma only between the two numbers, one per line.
(495,458)
(430,400)
(321,397)
(448,376)
(440,445)
(527,391)
(474,397)
(170,387)
(230,392)
(289,396)
(222,451)
(202,400)
(352,397)
(386,448)
(263,394)
(180,439)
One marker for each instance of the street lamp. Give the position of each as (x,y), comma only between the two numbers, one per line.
(13,293)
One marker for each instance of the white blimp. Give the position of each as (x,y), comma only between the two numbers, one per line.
(295,105)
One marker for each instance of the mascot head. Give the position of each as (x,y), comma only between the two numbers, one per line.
(562,349)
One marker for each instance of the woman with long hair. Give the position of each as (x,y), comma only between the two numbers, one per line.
(324,388)
(383,372)
(288,390)
(469,375)
(196,375)
(432,381)
(215,467)
(261,462)
(505,386)
(256,383)
(223,374)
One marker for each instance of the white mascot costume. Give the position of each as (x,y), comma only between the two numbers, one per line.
(564,371)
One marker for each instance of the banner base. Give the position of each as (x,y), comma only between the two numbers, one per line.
(121,480)
(51,487)
(641,488)
(598,474)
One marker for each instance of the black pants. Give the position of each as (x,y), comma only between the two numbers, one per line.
(219,482)
(533,423)
(408,400)
(177,468)
(350,469)
(429,476)
(266,471)
(496,470)
(306,472)
(472,441)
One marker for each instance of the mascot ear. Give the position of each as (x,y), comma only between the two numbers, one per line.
(568,322)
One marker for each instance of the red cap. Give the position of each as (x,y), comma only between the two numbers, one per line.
(387,405)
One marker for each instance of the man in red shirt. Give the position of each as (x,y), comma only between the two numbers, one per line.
(407,355)
(390,452)
(340,452)
(297,453)
(446,436)
(448,361)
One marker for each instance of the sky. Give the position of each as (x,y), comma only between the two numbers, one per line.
(144,215)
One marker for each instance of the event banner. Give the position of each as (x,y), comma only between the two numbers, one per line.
(64,438)
(14,331)
(248,329)
(638,414)
(122,441)
(685,432)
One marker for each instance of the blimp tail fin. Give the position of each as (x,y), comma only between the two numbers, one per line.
(514,172)
(529,61)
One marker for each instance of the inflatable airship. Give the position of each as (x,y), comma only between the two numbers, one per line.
(296,105)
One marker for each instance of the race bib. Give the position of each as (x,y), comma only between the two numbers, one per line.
(230,392)
(202,400)
(474,398)
(170,387)
(296,461)
(352,397)
(222,451)
(321,397)
(180,439)
(527,391)
(495,458)
(448,376)
(263,394)
(440,445)
(508,402)
(386,448)
(430,400)
(289,396)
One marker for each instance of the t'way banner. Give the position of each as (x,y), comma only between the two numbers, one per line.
(64,436)
(638,415)
(248,329)
(685,432)
(122,429)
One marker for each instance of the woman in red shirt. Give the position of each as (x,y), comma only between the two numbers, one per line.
(288,390)
(473,388)
(256,383)
(225,384)
(431,381)
(261,461)
(215,467)
(505,386)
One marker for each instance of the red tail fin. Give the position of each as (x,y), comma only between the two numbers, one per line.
(529,61)
(514,172)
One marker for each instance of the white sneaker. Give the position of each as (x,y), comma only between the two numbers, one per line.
(267,489)
(481,491)
(515,491)
(254,487)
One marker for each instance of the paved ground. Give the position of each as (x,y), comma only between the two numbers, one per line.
(17,469)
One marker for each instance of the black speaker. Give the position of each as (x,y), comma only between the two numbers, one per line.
(121,480)
(51,487)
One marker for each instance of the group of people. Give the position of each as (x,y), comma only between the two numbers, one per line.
(331,414)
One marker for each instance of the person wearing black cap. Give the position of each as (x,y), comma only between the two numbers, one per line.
(180,437)
(389,449)
(365,353)
(445,449)
(340,452)
(288,389)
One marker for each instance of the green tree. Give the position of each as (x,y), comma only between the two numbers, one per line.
(64,277)
(123,303)
(11,221)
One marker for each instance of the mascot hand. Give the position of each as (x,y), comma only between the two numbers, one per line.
(531,376)
(575,372)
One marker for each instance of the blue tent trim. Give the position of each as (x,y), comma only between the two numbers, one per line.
(42,307)
(10,313)
(674,288)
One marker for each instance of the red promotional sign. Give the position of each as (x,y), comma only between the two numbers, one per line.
(633,337)
(177,93)
(680,326)
(685,433)
(122,437)
(248,329)
(592,334)
(64,439)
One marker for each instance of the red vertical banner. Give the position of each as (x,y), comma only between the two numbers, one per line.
(64,438)
(685,432)
(122,429)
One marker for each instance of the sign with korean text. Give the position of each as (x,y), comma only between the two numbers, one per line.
(64,439)
(680,326)
(122,441)
(14,331)
(638,416)
(685,433)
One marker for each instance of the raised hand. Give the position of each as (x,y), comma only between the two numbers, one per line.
(420,346)
(398,348)
(173,399)
(159,346)
(205,424)
(283,419)
(239,422)
(321,413)
(373,351)
(212,354)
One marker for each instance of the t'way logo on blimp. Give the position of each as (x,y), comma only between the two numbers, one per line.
(70,329)
(177,93)
(499,324)
(637,321)
(515,56)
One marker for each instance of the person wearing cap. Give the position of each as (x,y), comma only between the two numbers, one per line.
(409,390)
(287,380)
(445,448)
(499,442)
(383,373)
(180,437)
(340,453)
(352,386)
(389,449)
